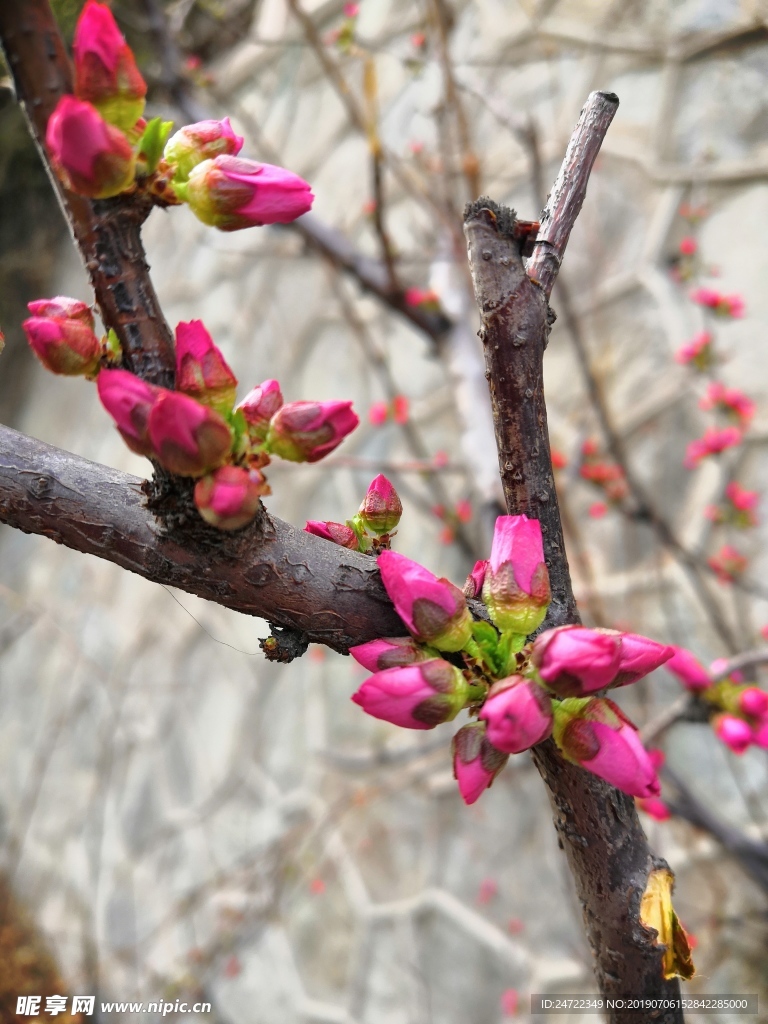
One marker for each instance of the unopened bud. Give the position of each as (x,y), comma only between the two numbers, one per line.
(229,498)
(381,508)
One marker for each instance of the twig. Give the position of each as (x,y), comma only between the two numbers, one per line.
(749,659)
(570,188)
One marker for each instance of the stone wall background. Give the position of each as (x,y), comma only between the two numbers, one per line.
(184,818)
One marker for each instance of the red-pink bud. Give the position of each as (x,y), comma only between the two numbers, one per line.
(62,308)
(688,670)
(339,533)
(307,431)
(381,508)
(753,701)
(229,498)
(654,808)
(188,438)
(575,661)
(417,696)
(129,400)
(639,656)
(734,732)
(230,193)
(259,406)
(63,345)
(598,736)
(518,714)
(194,143)
(90,156)
(105,68)
(474,585)
(516,587)
(201,369)
(390,652)
(476,762)
(434,610)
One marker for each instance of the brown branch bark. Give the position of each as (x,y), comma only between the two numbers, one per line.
(598,826)
(107,231)
(272,570)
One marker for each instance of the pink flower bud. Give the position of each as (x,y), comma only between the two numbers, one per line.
(259,406)
(62,308)
(734,732)
(516,587)
(638,656)
(378,413)
(753,701)
(688,670)
(105,68)
(229,498)
(434,610)
(63,344)
(194,143)
(597,735)
(391,652)
(90,156)
(381,508)
(518,714)
(418,696)
(688,246)
(230,193)
(307,431)
(339,533)
(654,808)
(474,585)
(201,369)
(476,762)
(574,661)
(188,438)
(129,400)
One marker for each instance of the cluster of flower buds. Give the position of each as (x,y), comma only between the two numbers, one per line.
(738,711)
(721,305)
(100,145)
(737,510)
(197,431)
(373,526)
(518,692)
(697,353)
(605,475)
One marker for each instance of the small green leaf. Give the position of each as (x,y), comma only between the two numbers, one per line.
(152,143)
(485,634)
(114,351)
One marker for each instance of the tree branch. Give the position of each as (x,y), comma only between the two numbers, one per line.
(270,569)
(107,231)
(598,826)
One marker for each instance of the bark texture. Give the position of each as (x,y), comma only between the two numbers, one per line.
(332,595)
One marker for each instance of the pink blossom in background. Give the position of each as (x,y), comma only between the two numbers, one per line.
(688,246)
(510,1002)
(597,509)
(712,443)
(418,39)
(698,351)
(400,411)
(351,10)
(464,510)
(728,563)
(421,297)
(730,401)
(722,305)
(378,413)
(440,460)
(559,461)
(489,888)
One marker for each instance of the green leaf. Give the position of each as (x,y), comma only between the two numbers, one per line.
(485,634)
(152,143)
(113,347)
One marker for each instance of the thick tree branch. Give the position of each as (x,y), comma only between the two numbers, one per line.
(598,826)
(271,569)
(107,231)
